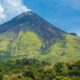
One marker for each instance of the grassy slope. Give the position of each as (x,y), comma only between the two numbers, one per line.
(67,49)
(28,44)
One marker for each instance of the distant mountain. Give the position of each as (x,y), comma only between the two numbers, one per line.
(30,36)
(74,34)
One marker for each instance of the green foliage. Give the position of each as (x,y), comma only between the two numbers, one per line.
(25,44)
(64,50)
(18,70)
(28,45)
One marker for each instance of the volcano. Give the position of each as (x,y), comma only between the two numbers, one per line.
(29,35)
(30,21)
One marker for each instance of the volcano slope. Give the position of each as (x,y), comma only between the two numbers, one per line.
(30,36)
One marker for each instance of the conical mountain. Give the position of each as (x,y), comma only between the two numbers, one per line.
(30,36)
(30,21)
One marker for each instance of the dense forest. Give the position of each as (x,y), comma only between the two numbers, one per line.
(32,69)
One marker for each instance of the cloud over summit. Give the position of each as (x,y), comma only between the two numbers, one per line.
(2,15)
(17,5)
(10,9)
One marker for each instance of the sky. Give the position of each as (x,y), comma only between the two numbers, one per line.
(64,14)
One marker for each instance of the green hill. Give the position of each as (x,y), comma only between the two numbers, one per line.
(29,45)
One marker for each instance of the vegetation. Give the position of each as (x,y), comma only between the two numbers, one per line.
(23,57)
(32,69)
(66,49)
(30,45)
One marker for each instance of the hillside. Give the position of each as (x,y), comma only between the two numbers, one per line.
(30,21)
(33,49)
(30,36)
(29,45)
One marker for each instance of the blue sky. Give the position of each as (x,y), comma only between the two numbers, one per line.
(64,14)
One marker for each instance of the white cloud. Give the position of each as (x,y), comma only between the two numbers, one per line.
(2,15)
(11,8)
(18,6)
